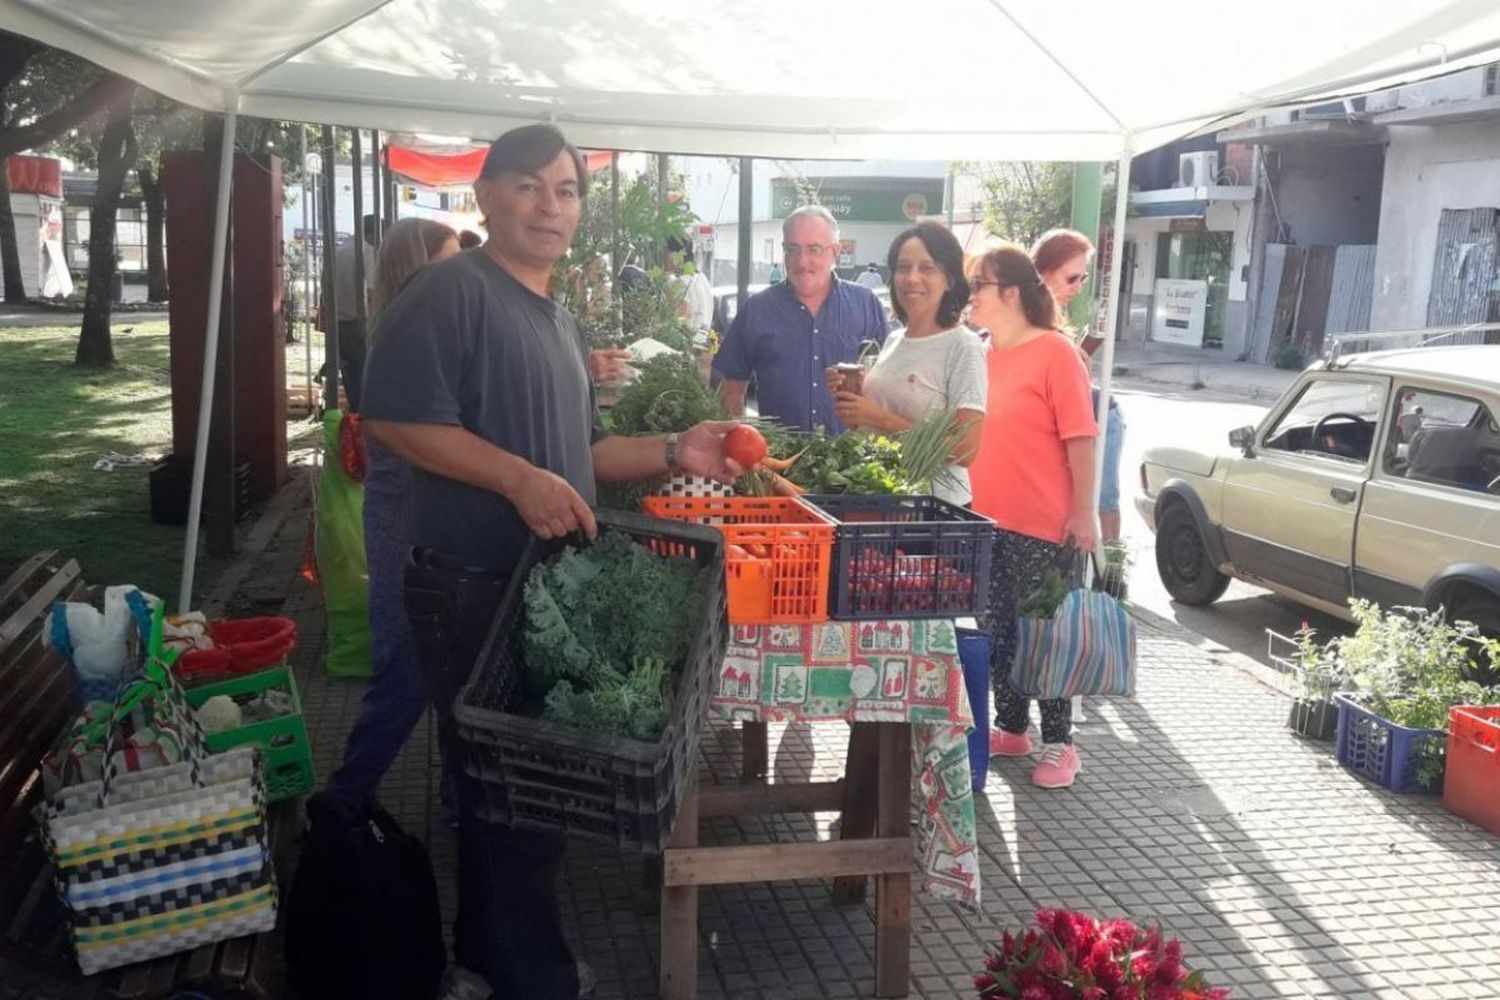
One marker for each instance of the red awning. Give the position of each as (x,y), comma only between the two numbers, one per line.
(453,169)
(35,175)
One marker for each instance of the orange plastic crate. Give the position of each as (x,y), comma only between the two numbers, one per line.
(779,573)
(1471,780)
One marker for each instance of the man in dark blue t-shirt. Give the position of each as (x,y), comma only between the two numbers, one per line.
(787,336)
(479,380)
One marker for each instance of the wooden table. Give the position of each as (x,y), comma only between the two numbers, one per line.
(874,800)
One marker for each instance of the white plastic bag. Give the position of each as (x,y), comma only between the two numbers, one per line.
(95,643)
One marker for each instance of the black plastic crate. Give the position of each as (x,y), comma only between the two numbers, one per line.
(170,482)
(547,776)
(906,557)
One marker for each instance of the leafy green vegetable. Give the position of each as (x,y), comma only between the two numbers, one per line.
(1044,601)
(861,462)
(634,705)
(667,397)
(607,627)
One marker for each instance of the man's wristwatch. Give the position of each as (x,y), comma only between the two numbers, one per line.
(672,445)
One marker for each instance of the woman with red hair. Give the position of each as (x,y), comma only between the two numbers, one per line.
(1062,259)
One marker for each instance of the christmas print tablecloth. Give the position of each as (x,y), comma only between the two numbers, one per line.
(874,671)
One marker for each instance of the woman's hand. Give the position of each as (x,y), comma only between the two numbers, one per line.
(1081,530)
(833,379)
(608,365)
(857,410)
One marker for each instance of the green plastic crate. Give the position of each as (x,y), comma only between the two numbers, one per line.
(288,753)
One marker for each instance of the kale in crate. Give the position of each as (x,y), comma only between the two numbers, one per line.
(607,628)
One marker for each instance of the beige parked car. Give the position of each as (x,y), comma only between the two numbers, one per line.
(1374,476)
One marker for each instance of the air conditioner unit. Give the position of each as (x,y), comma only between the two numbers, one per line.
(1198,169)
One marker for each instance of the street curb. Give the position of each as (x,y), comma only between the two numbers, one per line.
(1251,392)
(1267,676)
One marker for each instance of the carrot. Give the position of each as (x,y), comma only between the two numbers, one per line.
(780,464)
(784,487)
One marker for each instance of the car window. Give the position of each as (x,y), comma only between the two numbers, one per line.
(1332,418)
(1443,438)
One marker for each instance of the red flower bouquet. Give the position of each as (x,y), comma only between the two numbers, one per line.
(1071,956)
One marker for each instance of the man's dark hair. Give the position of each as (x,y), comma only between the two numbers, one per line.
(528,149)
(947,254)
(468,239)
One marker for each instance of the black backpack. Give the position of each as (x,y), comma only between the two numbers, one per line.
(362,917)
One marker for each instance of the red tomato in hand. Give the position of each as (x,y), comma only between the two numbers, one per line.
(745,445)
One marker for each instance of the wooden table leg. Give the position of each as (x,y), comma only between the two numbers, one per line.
(754,752)
(861,786)
(679,910)
(893,891)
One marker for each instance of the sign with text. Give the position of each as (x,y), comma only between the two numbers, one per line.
(852,200)
(1181,307)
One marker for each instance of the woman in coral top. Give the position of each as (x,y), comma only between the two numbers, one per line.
(1034,474)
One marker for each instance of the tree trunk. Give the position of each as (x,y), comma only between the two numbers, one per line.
(10,253)
(117,152)
(156,225)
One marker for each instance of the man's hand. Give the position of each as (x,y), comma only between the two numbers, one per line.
(550,507)
(701,452)
(608,365)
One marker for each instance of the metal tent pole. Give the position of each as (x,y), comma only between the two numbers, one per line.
(1110,320)
(330,272)
(308,241)
(376,194)
(210,359)
(357,158)
(747,190)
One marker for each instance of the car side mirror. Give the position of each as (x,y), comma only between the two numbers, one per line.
(1243,438)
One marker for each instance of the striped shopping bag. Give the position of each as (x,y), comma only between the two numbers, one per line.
(1086,647)
(162,860)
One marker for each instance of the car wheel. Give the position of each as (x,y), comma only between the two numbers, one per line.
(1483,610)
(1183,562)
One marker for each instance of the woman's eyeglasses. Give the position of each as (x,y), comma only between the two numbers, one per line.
(975,284)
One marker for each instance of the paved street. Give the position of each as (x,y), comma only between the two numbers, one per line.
(1166,414)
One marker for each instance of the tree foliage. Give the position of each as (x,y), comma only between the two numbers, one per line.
(1022,200)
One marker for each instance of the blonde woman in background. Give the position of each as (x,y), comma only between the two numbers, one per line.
(397,695)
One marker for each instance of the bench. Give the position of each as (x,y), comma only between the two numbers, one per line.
(37,700)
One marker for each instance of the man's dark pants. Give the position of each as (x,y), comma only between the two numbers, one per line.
(508,928)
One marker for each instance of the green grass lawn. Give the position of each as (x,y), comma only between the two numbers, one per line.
(55,422)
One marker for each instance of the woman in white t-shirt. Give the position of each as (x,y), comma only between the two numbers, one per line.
(934,363)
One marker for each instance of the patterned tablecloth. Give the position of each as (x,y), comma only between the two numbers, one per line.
(877,671)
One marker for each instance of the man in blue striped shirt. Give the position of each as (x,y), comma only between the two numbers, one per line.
(786,336)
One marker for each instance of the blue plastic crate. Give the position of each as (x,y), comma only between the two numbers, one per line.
(1387,754)
(906,557)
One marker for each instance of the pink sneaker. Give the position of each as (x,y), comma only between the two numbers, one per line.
(1003,744)
(1058,767)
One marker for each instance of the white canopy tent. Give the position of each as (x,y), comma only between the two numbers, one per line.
(944,79)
